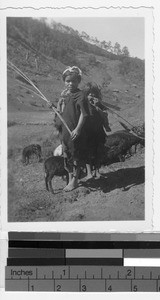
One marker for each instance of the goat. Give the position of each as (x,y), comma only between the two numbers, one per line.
(29,151)
(118,144)
(54,166)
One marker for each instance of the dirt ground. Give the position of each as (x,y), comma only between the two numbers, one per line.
(118,194)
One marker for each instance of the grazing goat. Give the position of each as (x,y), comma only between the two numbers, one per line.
(117,146)
(54,166)
(29,151)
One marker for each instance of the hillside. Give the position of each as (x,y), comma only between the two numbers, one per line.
(43,60)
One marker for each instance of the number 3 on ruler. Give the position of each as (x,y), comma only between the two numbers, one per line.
(84,288)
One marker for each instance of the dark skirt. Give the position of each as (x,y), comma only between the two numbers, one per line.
(87,147)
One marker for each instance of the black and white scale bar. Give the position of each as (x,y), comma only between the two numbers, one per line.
(84,244)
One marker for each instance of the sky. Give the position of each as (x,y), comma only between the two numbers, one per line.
(126,31)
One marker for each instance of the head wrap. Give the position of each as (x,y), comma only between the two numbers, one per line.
(74,71)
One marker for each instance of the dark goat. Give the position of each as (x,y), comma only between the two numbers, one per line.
(30,150)
(117,146)
(54,166)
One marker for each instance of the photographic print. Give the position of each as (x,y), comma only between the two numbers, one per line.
(76,117)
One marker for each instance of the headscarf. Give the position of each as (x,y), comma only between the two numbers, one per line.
(74,71)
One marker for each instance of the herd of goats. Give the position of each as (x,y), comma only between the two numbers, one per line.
(117,146)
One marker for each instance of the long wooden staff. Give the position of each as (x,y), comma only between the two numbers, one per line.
(40,94)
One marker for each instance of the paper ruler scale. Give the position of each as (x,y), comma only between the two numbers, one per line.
(83,278)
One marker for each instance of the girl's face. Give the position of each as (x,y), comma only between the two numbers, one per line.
(71,83)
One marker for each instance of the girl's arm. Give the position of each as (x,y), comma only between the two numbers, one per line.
(76,131)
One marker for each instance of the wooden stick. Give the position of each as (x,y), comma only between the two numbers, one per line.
(17,70)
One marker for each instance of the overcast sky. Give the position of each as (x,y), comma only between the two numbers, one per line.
(126,31)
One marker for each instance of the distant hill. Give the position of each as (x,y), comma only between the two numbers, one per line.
(43,51)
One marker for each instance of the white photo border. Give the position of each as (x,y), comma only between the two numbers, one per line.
(98,226)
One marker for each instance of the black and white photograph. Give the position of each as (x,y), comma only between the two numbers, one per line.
(79,117)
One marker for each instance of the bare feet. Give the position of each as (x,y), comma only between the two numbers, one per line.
(73,184)
(89,176)
(97,174)
(89,172)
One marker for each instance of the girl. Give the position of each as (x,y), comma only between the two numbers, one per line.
(93,93)
(97,124)
(75,113)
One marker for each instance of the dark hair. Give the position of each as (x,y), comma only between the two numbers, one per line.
(72,74)
(93,88)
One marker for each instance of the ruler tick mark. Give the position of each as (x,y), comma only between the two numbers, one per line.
(101,272)
(69,272)
(28,283)
(118,274)
(151,275)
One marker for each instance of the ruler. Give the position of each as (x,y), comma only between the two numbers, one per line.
(82,278)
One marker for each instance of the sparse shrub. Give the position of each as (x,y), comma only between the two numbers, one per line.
(92,60)
(11,123)
(139,130)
